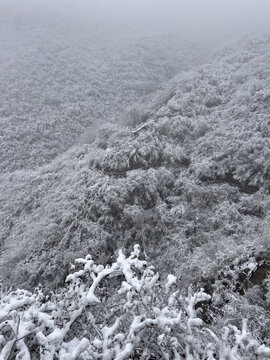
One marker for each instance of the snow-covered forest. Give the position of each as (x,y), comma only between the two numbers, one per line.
(134,180)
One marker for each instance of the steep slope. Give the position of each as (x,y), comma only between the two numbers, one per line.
(56,82)
(187,177)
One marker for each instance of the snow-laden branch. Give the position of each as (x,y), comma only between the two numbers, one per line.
(97,316)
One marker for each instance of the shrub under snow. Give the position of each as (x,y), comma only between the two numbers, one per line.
(117,312)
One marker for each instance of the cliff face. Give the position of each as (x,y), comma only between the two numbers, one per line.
(186,176)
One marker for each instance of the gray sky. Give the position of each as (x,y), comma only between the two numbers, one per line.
(204,18)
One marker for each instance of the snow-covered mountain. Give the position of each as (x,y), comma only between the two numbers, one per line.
(184,174)
(116,131)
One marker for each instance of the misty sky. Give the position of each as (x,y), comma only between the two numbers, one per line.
(204,18)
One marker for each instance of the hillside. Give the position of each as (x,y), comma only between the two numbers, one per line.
(56,82)
(185,175)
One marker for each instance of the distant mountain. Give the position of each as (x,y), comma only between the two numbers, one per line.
(55,83)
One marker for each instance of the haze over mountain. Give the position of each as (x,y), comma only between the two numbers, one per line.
(147,123)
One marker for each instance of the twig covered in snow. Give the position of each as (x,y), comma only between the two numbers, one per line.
(82,322)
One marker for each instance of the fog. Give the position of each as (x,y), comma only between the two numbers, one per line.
(198,19)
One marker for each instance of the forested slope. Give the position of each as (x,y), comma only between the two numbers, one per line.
(55,83)
(186,176)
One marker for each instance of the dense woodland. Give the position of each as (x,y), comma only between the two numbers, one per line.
(166,160)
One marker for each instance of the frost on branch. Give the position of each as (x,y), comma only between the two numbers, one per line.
(117,312)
